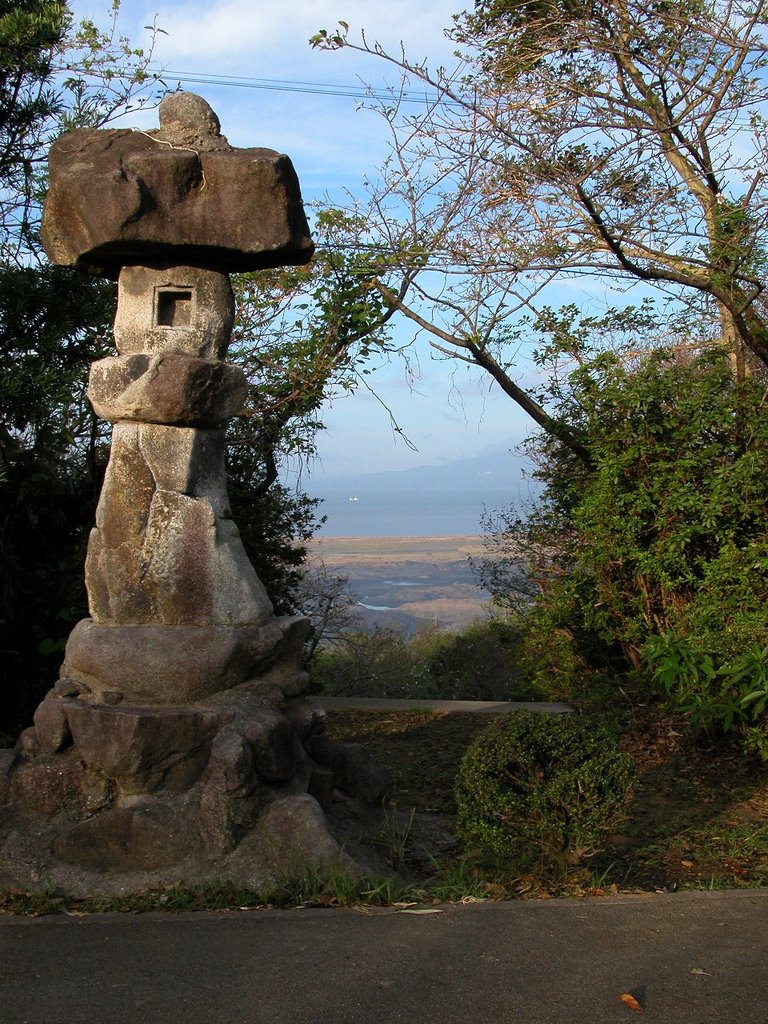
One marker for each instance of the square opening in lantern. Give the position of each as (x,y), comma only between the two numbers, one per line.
(173,307)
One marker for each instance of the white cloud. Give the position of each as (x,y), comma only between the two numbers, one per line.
(332,144)
(253,32)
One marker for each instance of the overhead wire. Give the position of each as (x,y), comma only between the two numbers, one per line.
(360,92)
(439,261)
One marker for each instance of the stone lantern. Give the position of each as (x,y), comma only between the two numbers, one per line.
(177,744)
(177,611)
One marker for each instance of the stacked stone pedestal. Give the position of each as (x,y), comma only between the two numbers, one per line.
(103,799)
(177,745)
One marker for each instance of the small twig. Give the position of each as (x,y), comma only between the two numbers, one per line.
(172,145)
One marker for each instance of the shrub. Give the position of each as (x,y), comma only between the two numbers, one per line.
(365,664)
(661,531)
(479,663)
(557,783)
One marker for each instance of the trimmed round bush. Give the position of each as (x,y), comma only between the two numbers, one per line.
(558,782)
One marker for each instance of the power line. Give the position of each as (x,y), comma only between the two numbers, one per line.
(427,97)
(313,88)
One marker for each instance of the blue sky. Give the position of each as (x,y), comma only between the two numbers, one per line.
(448,411)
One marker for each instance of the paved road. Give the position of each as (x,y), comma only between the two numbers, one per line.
(688,958)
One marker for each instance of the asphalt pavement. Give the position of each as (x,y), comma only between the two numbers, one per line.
(683,958)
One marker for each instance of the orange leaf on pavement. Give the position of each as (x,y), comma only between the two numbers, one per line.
(629,1000)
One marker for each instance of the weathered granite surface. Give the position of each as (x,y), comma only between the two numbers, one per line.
(189,310)
(164,549)
(180,194)
(176,746)
(161,664)
(105,799)
(168,388)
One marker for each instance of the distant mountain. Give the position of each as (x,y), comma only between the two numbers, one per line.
(494,471)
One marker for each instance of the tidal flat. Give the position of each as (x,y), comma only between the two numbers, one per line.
(408,582)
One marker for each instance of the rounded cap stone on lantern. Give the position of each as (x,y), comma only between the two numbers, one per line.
(187,119)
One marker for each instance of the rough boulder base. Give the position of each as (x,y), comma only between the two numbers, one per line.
(110,799)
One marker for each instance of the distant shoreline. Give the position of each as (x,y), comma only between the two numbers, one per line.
(408,582)
(406,538)
(335,550)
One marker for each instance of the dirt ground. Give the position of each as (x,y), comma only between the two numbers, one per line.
(698,816)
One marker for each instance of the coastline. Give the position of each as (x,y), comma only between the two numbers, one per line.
(408,582)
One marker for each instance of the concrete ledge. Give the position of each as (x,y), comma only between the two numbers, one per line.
(463,707)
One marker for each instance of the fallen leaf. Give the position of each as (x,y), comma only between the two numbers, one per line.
(422,910)
(700,970)
(629,1000)
(687,863)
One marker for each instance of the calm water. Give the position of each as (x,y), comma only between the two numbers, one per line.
(405,514)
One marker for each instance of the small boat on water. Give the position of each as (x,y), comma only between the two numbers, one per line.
(354,498)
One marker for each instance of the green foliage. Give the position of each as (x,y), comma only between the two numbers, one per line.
(333,886)
(664,531)
(555,783)
(662,83)
(730,698)
(478,663)
(580,138)
(52,453)
(374,663)
(30,30)
(53,323)
(302,334)
(676,492)
(54,75)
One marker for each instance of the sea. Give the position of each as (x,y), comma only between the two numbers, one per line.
(406,513)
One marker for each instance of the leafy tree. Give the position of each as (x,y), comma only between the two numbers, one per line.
(302,334)
(548,784)
(621,140)
(624,143)
(324,596)
(53,323)
(51,455)
(30,32)
(54,75)
(662,538)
